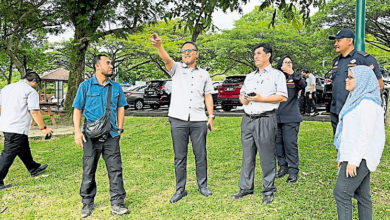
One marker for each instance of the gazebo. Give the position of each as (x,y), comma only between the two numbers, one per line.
(58,77)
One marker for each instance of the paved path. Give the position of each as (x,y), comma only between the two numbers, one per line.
(36,133)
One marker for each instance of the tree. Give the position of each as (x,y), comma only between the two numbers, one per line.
(340,14)
(93,20)
(292,10)
(196,16)
(24,23)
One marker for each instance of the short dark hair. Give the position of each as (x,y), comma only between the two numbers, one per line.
(306,70)
(190,42)
(267,48)
(96,59)
(32,76)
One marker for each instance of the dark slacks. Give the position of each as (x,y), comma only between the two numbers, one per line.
(110,151)
(357,187)
(181,131)
(311,103)
(258,135)
(287,146)
(334,119)
(16,145)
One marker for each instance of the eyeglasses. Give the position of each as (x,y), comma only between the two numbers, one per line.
(350,77)
(188,50)
(288,62)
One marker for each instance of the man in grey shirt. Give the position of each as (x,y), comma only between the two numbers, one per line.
(310,93)
(191,90)
(260,95)
(18,102)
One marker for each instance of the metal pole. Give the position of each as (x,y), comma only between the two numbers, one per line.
(360,25)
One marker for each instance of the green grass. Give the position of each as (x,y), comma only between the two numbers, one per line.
(147,156)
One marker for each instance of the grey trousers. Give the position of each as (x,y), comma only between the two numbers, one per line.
(110,150)
(287,146)
(357,187)
(258,135)
(181,131)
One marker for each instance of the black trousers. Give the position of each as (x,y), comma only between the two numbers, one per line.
(181,131)
(311,103)
(110,150)
(334,119)
(16,145)
(258,135)
(287,146)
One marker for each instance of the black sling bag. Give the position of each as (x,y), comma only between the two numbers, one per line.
(101,126)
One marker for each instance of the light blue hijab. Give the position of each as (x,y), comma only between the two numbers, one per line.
(366,87)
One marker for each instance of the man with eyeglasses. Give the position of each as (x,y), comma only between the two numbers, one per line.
(191,91)
(349,57)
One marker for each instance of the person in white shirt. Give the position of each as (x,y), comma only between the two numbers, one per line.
(19,104)
(359,139)
(191,92)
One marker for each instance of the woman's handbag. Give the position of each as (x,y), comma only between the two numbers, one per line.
(101,126)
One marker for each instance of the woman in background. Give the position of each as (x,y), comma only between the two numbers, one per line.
(289,119)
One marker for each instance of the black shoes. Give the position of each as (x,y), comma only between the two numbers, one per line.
(179,194)
(119,209)
(281,173)
(268,199)
(242,193)
(204,191)
(38,170)
(87,210)
(292,178)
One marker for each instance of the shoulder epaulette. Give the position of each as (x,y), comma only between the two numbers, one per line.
(363,53)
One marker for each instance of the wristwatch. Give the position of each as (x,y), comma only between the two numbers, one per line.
(212,116)
(121,130)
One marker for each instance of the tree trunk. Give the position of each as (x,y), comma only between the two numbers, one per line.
(9,78)
(76,70)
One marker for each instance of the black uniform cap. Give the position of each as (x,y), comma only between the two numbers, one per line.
(344,33)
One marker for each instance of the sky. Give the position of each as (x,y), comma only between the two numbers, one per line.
(223,21)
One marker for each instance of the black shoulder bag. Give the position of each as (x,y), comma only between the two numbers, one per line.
(101,126)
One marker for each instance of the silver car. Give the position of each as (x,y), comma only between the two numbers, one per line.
(135,96)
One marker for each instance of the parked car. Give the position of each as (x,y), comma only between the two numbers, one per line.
(135,96)
(384,95)
(320,84)
(158,93)
(216,85)
(126,87)
(229,92)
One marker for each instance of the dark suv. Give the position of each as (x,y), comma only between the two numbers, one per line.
(158,93)
(229,92)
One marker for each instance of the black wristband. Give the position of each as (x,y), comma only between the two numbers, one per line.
(121,130)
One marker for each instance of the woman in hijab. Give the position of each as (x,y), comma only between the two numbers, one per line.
(289,119)
(359,139)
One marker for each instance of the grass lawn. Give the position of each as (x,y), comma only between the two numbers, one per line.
(147,156)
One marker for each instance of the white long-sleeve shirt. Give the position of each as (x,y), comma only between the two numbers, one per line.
(363,135)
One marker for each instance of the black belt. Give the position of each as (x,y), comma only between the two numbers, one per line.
(264,114)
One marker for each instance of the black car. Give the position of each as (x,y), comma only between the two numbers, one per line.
(158,93)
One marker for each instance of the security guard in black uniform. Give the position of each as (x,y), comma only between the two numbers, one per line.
(289,119)
(349,57)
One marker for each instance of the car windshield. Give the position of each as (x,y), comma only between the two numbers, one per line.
(235,79)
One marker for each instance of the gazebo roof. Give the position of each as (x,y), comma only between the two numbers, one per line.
(59,74)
